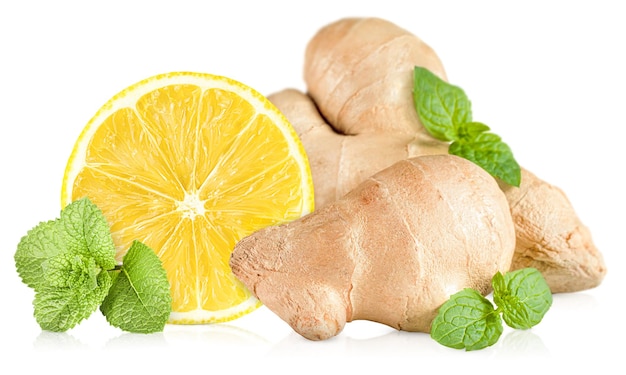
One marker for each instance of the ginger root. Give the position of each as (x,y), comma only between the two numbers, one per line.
(391,251)
(359,118)
(340,162)
(356,72)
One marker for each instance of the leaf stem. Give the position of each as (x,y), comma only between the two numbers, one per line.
(116,268)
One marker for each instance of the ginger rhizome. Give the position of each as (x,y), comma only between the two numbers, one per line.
(358,117)
(391,251)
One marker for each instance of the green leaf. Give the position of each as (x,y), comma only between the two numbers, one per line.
(467,320)
(68,270)
(60,309)
(35,249)
(471,130)
(87,232)
(498,284)
(524,297)
(446,112)
(441,107)
(489,152)
(139,300)
(66,261)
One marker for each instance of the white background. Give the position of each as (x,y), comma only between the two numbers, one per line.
(547,76)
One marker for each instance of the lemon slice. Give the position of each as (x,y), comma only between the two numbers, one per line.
(190,163)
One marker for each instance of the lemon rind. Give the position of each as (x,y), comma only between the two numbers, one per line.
(200,316)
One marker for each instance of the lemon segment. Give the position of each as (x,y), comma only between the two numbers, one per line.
(189,164)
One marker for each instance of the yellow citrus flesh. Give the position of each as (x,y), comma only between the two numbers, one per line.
(190,163)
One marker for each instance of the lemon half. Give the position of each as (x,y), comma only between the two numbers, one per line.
(189,164)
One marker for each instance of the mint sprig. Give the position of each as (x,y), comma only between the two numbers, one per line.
(523,295)
(70,263)
(469,321)
(446,113)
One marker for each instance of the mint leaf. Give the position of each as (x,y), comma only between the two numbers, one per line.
(66,262)
(524,297)
(446,112)
(139,300)
(467,320)
(471,130)
(81,231)
(68,270)
(489,152)
(87,232)
(60,309)
(440,106)
(498,284)
(33,251)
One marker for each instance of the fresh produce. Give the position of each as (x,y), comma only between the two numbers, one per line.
(469,321)
(421,210)
(446,113)
(359,72)
(339,162)
(392,250)
(359,75)
(70,263)
(188,164)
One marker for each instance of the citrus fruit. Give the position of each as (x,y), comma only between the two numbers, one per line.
(190,163)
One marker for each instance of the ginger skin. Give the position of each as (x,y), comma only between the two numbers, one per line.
(551,237)
(359,118)
(391,251)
